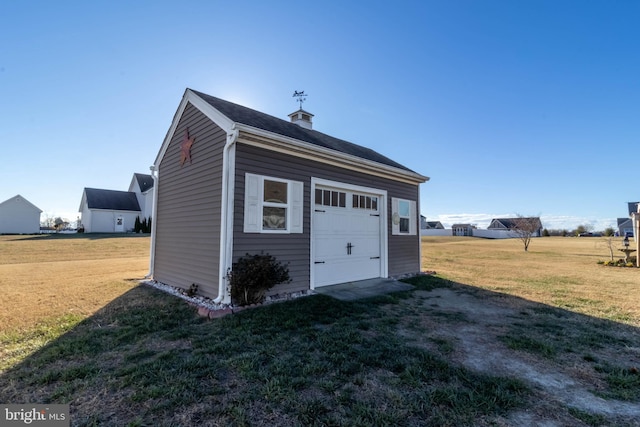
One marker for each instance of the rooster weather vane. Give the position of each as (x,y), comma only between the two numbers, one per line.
(301,97)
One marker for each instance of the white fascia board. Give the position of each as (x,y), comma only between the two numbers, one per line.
(287,145)
(133,183)
(83,201)
(119,211)
(205,108)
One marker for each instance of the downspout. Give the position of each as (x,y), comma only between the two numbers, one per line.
(420,269)
(636,233)
(226,213)
(154,207)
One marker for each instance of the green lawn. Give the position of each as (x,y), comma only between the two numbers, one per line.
(147,359)
(126,354)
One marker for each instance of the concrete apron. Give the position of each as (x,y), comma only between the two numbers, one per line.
(360,289)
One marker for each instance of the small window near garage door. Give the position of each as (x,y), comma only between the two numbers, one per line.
(361,201)
(331,198)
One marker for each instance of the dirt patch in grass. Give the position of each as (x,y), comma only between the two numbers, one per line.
(583,371)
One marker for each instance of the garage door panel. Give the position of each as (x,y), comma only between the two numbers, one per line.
(347,241)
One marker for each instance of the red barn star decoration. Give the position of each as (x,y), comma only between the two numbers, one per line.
(185,147)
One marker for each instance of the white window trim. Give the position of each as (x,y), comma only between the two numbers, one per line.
(395,217)
(254,204)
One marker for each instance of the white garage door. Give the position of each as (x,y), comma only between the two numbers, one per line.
(346,236)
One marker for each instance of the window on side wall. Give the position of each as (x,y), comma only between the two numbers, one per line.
(403,217)
(272,205)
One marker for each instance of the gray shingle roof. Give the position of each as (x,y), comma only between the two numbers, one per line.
(510,223)
(145,182)
(257,119)
(633,207)
(111,199)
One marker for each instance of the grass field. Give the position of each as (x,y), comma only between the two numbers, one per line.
(49,283)
(559,271)
(76,328)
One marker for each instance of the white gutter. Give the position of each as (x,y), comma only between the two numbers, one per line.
(326,154)
(226,213)
(154,208)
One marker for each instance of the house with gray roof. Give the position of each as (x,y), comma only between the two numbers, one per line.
(625,227)
(142,186)
(113,211)
(231,181)
(515,223)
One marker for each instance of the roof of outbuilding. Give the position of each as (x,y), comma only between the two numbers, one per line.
(257,119)
(145,182)
(111,199)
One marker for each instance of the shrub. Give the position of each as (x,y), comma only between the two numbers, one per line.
(193,290)
(253,275)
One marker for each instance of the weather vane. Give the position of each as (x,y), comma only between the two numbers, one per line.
(301,97)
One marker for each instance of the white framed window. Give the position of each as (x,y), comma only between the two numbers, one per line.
(272,205)
(404,217)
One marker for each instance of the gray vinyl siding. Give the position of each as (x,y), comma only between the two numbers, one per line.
(188,212)
(294,249)
(404,251)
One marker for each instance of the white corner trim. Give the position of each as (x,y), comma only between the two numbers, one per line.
(155,174)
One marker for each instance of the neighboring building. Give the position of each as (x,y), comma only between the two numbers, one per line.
(19,216)
(512,224)
(108,211)
(463,229)
(435,225)
(635,217)
(112,211)
(142,186)
(232,180)
(625,226)
(629,225)
(430,225)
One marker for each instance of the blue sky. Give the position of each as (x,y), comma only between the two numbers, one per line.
(528,107)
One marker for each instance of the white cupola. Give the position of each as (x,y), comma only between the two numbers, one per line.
(302,118)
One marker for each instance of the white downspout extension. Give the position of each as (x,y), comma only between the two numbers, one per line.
(420,269)
(226,214)
(154,207)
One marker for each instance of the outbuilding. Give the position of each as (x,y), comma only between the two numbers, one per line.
(232,181)
(19,216)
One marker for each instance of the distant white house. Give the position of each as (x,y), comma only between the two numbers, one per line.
(19,216)
(112,211)
(142,186)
